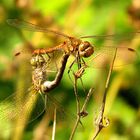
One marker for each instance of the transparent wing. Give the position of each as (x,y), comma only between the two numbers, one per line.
(21,109)
(53,60)
(31,27)
(65,117)
(117,37)
(103,57)
(62,112)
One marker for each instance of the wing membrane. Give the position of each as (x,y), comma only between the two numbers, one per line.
(20,109)
(117,37)
(103,57)
(32,27)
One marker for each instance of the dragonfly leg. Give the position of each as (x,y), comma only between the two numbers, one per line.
(70,69)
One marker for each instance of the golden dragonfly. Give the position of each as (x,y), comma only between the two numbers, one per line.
(80,48)
(76,47)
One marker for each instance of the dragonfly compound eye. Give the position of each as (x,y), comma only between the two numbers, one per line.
(40,59)
(88,52)
(86,49)
(84,45)
(33,62)
(37,61)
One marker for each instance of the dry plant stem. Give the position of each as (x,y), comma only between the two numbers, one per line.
(78,109)
(75,127)
(54,125)
(99,120)
(83,110)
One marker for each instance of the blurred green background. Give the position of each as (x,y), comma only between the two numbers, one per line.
(76,18)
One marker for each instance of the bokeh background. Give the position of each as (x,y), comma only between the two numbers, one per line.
(76,18)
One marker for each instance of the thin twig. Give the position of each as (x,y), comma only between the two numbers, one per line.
(83,111)
(80,112)
(75,127)
(78,108)
(99,120)
(54,125)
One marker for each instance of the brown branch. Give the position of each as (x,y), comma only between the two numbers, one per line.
(77,108)
(99,120)
(80,112)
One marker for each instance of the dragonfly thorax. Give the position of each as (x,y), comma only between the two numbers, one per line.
(86,49)
(73,44)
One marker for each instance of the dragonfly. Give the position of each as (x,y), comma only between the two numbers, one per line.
(77,47)
(85,54)
(12,108)
(81,49)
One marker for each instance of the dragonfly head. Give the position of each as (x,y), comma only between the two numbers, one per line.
(37,61)
(86,49)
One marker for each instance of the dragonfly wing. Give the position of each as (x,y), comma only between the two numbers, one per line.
(35,105)
(115,37)
(62,113)
(32,27)
(104,56)
(23,110)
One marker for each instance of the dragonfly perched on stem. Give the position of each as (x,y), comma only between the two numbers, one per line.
(24,107)
(81,49)
(85,53)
